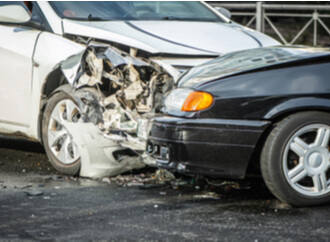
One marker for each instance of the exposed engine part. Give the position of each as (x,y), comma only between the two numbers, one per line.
(114,88)
(115,92)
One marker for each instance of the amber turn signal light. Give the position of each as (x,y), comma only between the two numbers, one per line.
(197,101)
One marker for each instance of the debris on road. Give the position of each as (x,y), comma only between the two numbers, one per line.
(230,184)
(106,180)
(34,193)
(24,187)
(145,181)
(208,195)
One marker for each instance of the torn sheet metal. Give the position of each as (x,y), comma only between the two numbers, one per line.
(97,159)
(94,74)
(113,90)
(119,58)
(71,66)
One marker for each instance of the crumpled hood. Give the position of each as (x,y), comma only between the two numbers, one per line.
(172,37)
(247,60)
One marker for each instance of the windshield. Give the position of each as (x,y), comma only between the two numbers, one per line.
(135,10)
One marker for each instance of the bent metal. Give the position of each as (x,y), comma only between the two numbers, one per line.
(112,90)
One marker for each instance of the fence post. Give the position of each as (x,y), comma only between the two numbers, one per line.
(315,17)
(259,17)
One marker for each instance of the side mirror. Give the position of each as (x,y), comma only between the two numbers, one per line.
(225,12)
(14,14)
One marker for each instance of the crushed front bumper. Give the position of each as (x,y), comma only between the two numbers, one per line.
(215,147)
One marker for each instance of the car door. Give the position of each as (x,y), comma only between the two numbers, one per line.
(17,45)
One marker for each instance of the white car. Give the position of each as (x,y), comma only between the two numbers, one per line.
(77,76)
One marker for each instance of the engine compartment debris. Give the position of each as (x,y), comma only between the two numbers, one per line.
(114,90)
(125,87)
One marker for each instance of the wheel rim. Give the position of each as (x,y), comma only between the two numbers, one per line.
(60,140)
(306,160)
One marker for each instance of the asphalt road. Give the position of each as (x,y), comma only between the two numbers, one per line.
(79,209)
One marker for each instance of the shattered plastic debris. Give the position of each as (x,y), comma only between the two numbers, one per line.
(57,178)
(135,183)
(34,193)
(106,180)
(24,187)
(142,181)
(164,175)
(208,195)
(230,184)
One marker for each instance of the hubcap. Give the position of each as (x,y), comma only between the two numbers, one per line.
(306,160)
(60,141)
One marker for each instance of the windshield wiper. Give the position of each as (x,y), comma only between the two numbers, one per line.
(188,19)
(173,18)
(91,18)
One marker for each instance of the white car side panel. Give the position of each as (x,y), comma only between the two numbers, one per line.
(50,51)
(16,50)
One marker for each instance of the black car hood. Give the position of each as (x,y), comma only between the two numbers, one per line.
(248,60)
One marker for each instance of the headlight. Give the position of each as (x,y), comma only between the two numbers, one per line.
(188,100)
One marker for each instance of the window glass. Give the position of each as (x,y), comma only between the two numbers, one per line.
(135,10)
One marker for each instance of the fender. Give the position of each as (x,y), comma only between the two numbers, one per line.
(302,103)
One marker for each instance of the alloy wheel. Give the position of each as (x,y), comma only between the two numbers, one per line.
(306,160)
(60,140)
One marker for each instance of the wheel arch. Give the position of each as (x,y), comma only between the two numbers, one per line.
(297,105)
(54,82)
(277,114)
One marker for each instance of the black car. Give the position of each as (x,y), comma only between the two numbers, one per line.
(267,108)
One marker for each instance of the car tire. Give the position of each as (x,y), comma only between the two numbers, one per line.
(295,159)
(58,142)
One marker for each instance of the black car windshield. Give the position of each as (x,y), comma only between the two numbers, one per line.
(134,10)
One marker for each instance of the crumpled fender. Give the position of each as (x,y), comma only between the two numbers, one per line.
(96,152)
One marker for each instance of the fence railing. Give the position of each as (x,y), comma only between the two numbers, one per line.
(261,13)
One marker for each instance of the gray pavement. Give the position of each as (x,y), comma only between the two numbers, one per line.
(78,209)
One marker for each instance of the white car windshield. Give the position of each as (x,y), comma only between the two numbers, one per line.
(134,10)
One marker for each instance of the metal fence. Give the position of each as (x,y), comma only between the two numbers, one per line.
(262,14)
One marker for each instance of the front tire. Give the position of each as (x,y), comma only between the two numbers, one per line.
(295,159)
(58,142)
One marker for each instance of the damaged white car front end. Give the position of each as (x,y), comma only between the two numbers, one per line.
(95,126)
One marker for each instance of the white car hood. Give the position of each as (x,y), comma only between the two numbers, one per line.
(172,37)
